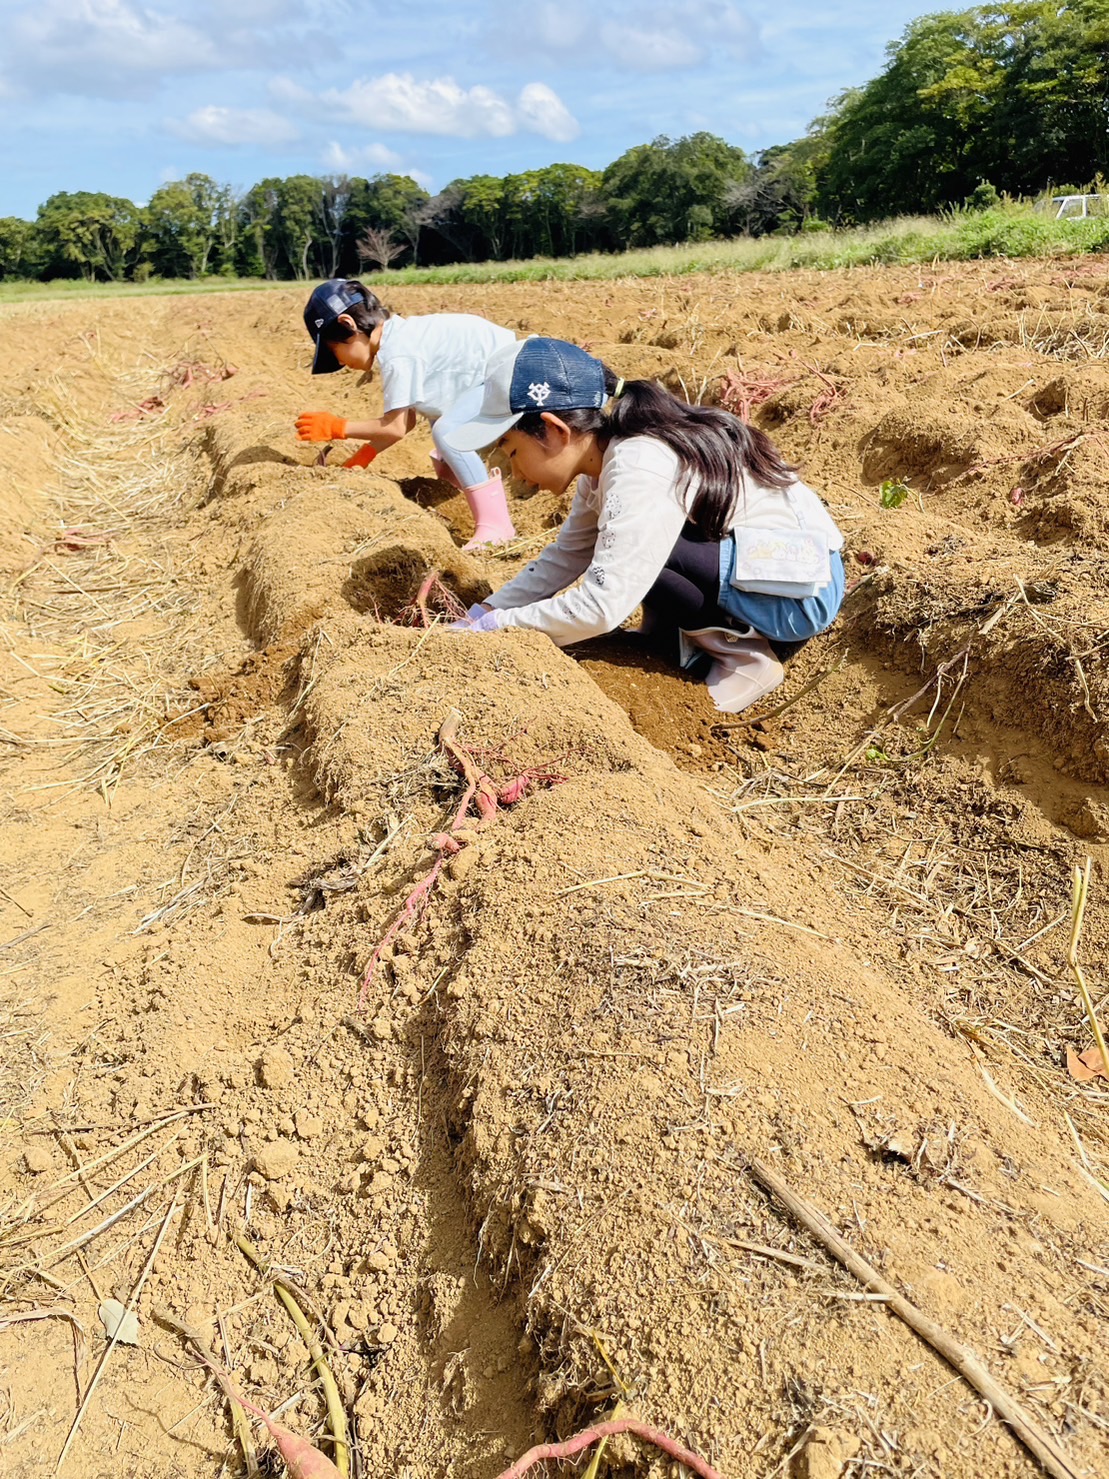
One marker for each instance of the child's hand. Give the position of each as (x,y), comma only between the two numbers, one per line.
(479,618)
(362,458)
(320,426)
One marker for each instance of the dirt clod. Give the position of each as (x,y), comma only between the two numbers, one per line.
(275,1069)
(276,1160)
(37,1158)
(825,1455)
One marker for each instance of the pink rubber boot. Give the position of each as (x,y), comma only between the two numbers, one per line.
(489,507)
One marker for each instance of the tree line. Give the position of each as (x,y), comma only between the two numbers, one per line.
(306,226)
(1010,97)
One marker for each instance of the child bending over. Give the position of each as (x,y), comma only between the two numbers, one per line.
(430,366)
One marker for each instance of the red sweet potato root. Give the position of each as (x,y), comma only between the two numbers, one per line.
(589,1436)
(301,1459)
(485,796)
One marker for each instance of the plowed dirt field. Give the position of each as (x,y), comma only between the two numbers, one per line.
(508,1175)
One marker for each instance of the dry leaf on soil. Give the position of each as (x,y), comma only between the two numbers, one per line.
(119,1322)
(1085,1066)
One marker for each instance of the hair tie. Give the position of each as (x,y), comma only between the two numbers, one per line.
(618,390)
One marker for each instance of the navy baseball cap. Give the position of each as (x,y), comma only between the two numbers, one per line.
(531,375)
(324,307)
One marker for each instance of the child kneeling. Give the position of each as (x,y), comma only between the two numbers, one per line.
(685,510)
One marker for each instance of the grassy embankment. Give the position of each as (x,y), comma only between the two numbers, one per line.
(1008,230)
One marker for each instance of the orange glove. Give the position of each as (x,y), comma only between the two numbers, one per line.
(362,458)
(320,426)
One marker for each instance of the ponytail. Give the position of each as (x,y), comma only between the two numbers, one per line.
(712,446)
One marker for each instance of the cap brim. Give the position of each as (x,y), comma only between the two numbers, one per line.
(324,362)
(482,431)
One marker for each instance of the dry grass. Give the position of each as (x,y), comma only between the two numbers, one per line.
(977,917)
(1073,337)
(23,1046)
(72,1225)
(106,601)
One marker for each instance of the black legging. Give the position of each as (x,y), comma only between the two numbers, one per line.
(685,593)
(688,586)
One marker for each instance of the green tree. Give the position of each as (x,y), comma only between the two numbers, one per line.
(228,219)
(551,212)
(1017,94)
(393,204)
(182,218)
(90,235)
(279,224)
(331,210)
(15,247)
(481,208)
(296,222)
(258,246)
(445,236)
(469,215)
(1052,118)
(672,190)
(780,193)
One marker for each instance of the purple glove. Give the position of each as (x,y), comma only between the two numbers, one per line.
(488,621)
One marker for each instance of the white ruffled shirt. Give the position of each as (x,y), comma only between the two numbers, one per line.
(619,534)
(426,363)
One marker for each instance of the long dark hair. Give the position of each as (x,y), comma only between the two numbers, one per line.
(366,315)
(713,446)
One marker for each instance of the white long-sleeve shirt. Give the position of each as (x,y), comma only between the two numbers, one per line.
(620,532)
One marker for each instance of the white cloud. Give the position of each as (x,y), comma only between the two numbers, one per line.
(369,159)
(229,127)
(130,48)
(285,90)
(543,112)
(104,47)
(368,156)
(646,50)
(725,26)
(656,36)
(398,103)
(557,27)
(256,12)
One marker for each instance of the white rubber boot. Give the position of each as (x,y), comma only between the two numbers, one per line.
(744,667)
(489,507)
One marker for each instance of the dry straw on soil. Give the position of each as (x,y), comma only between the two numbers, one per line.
(107,600)
(985,919)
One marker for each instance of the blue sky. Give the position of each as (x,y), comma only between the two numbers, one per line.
(120,95)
